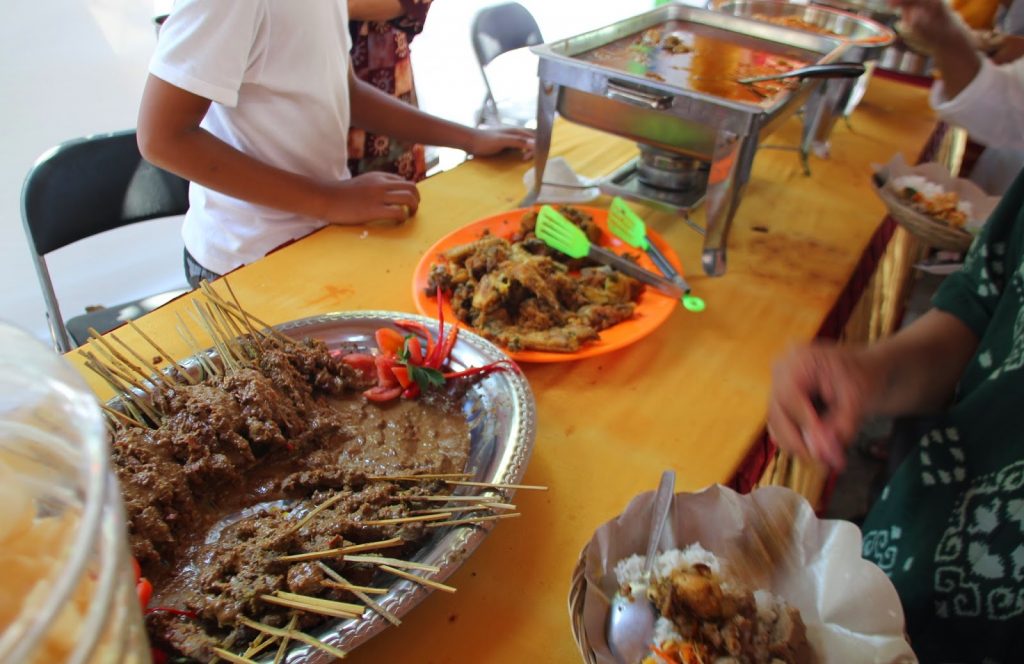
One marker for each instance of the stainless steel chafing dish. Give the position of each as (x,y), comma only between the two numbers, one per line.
(673,108)
(835,97)
(896,57)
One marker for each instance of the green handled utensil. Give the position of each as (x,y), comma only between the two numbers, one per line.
(561,234)
(631,229)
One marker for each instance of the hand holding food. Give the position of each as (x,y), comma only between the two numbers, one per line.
(820,395)
(927,24)
(369,198)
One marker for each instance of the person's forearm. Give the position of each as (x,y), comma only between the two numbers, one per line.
(919,367)
(958,62)
(381,113)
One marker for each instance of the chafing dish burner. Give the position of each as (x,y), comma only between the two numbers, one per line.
(624,80)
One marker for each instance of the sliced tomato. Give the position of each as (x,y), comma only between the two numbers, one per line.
(415,351)
(389,341)
(144,589)
(381,393)
(412,391)
(402,376)
(363,363)
(385,374)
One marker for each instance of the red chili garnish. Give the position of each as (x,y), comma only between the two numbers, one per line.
(168,609)
(485,369)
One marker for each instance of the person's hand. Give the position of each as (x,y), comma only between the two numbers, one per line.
(1010,48)
(820,396)
(926,25)
(487,142)
(370,197)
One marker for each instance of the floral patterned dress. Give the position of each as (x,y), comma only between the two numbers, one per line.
(949,527)
(380,56)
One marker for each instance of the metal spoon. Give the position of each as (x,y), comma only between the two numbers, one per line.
(631,622)
(831,70)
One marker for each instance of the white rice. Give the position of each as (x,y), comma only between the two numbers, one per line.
(629,572)
(928,189)
(918,183)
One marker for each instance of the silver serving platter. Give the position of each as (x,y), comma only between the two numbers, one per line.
(502,417)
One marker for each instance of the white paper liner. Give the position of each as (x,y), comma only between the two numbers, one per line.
(850,607)
(982,205)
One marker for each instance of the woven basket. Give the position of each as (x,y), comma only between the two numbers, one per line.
(577,591)
(931,231)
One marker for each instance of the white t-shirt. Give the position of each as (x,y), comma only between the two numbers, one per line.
(277,74)
(991,107)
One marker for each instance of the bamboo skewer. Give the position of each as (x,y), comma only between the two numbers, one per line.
(407,519)
(450,498)
(166,378)
(418,579)
(245,314)
(369,590)
(181,369)
(279,657)
(390,617)
(109,347)
(341,551)
(311,607)
(474,519)
(495,485)
(197,352)
(231,657)
(259,644)
(357,609)
(434,476)
(126,395)
(336,498)
(202,317)
(469,508)
(121,417)
(383,560)
(292,634)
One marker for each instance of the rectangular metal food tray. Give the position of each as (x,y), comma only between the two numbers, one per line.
(674,113)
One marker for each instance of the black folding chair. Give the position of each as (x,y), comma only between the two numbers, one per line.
(496,30)
(84,187)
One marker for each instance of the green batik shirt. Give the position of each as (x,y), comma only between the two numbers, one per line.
(949,527)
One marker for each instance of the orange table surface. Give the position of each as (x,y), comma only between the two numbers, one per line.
(691,396)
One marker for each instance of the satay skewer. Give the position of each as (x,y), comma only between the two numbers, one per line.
(293,634)
(283,648)
(384,560)
(474,519)
(468,508)
(341,551)
(390,617)
(307,604)
(496,485)
(440,516)
(418,579)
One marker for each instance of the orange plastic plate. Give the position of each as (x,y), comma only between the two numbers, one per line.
(652,309)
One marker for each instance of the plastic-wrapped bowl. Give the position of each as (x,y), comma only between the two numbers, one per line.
(850,608)
(65,574)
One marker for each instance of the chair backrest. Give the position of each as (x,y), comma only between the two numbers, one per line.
(503,28)
(94,184)
(87,186)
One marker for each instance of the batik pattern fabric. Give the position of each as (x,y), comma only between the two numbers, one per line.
(949,527)
(381,57)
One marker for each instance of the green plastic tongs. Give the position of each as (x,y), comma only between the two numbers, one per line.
(631,229)
(561,234)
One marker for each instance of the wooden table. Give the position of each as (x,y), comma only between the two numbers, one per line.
(691,396)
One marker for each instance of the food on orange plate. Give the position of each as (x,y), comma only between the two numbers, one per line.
(707,617)
(247,482)
(933,200)
(523,295)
